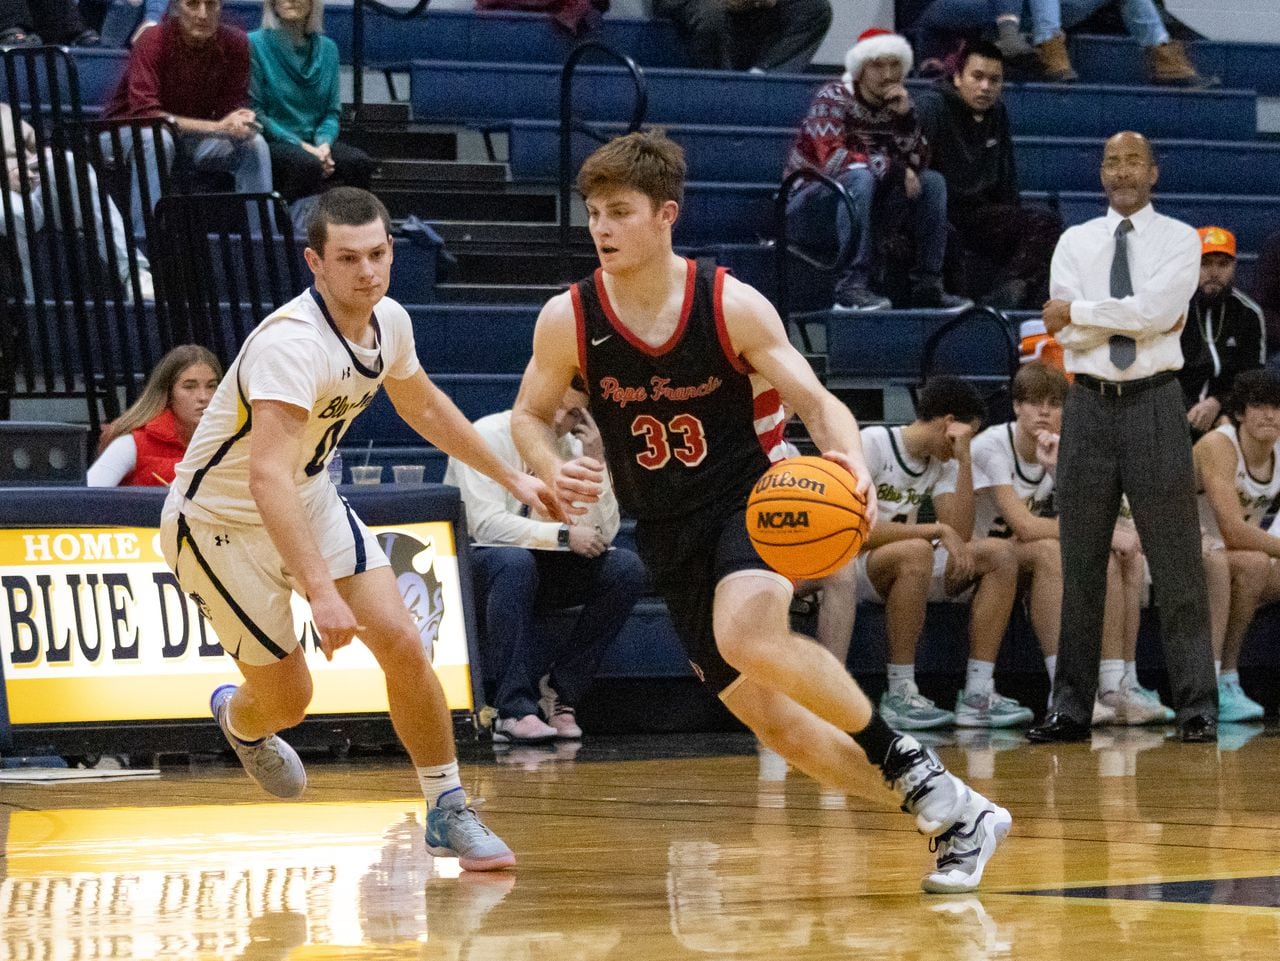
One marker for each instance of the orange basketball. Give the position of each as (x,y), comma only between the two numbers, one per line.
(805,517)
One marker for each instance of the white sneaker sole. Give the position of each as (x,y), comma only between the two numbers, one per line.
(955,882)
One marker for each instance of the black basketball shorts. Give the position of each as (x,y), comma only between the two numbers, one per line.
(686,558)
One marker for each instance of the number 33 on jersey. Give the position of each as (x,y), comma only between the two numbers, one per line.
(681,427)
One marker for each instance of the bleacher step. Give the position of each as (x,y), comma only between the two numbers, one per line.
(418,141)
(499,266)
(426,172)
(461,293)
(502,232)
(398,113)
(447,203)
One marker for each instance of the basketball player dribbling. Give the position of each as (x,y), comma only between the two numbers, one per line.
(252,517)
(687,371)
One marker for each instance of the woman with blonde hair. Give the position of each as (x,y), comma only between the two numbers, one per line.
(293,89)
(145,443)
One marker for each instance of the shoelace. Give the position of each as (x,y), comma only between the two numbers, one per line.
(916,699)
(265,758)
(469,822)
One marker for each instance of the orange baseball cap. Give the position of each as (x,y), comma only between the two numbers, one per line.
(1216,240)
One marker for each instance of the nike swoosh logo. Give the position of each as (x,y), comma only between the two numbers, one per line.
(597,341)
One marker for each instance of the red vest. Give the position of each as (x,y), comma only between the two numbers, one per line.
(159,450)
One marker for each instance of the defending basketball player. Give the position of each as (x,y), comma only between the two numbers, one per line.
(687,371)
(252,517)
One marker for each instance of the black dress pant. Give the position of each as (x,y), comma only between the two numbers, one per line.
(1136,444)
(297,173)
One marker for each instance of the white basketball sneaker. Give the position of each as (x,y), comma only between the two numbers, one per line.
(965,848)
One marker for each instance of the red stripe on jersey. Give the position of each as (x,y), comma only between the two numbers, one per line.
(722,330)
(627,335)
(765,403)
(580,318)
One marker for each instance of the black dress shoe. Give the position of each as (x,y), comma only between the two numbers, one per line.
(1201,729)
(1058,728)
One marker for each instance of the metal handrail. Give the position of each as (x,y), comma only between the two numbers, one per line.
(977,312)
(783,248)
(930,348)
(568,126)
(357,44)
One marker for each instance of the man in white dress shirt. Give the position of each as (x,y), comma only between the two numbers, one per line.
(1119,287)
(525,565)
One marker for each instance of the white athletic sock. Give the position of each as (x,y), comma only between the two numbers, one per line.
(1131,675)
(1110,675)
(978,678)
(1051,665)
(438,779)
(902,678)
(1217,668)
(1229,677)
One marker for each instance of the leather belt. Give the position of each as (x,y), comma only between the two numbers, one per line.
(1123,388)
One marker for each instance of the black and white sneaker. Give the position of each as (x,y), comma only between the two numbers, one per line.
(929,793)
(965,848)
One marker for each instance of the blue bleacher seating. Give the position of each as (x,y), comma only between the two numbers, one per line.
(747,154)
(481,93)
(1241,66)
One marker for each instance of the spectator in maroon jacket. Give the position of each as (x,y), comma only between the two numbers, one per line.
(862,131)
(194,70)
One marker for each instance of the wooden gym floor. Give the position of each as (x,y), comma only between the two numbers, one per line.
(656,848)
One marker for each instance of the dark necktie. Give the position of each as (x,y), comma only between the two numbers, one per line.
(1124,350)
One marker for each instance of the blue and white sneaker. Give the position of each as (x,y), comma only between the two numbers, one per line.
(964,849)
(909,710)
(454,830)
(989,710)
(269,761)
(1235,705)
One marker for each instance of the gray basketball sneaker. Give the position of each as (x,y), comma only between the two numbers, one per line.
(269,761)
(931,794)
(455,830)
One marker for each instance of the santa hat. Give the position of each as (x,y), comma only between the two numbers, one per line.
(876,44)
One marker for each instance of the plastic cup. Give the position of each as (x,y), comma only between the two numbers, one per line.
(408,473)
(368,474)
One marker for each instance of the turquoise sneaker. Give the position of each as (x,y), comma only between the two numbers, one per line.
(990,710)
(454,830)
(910,710)
(1235,705)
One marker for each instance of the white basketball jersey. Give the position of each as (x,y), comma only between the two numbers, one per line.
(298,356)
(901,483)
(1255,495)
(996,463)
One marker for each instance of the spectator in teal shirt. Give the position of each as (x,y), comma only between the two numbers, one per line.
(293,87)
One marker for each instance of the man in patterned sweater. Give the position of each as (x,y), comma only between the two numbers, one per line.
(862,131)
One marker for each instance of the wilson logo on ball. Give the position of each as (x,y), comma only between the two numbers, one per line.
(790,519)
(785,480)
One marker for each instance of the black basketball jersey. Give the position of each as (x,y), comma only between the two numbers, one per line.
(684,424)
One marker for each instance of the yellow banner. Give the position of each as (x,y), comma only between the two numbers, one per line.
(94,628)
